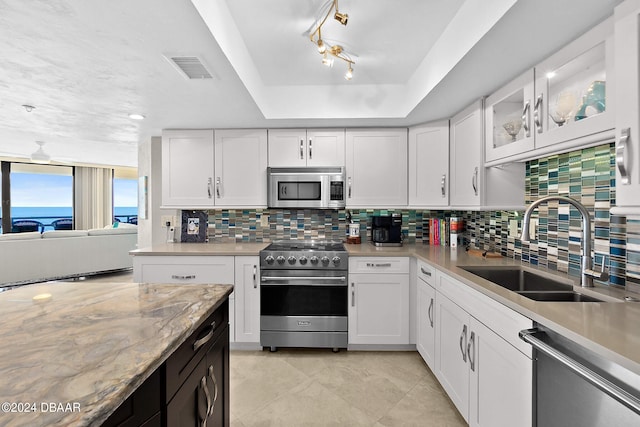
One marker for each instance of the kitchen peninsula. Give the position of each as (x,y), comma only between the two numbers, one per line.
(72,353)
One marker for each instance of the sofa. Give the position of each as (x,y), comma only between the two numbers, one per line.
(33,256)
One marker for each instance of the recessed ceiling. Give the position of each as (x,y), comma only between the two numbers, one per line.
(86,66)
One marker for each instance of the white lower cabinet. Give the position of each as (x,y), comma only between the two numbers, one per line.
(486,375)
(247,299)
(379,301)
(425,315)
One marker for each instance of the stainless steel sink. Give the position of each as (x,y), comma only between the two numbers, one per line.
(530,284)
(551,296)
(518,279)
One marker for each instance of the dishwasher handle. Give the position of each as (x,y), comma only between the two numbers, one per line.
(621,395)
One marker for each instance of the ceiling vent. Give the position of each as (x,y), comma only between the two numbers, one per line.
(190,67)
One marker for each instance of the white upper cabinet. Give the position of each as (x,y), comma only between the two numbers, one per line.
(575,92)
(509,119)
(429,165)
(566,102)
(302,147)
(187,168)
(472,185)
(240,167)
(627,68)
(200,173)
(376,161)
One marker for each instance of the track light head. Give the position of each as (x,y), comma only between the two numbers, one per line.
(342,18)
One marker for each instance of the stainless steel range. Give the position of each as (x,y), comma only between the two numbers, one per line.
(303,294)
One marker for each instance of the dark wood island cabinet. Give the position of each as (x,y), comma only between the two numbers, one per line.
(191,388)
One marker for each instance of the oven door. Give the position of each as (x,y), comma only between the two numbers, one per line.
(289,293)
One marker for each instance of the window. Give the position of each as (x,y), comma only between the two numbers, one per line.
(41,194)
(125,195)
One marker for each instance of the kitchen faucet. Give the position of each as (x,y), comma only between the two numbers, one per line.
(587,273)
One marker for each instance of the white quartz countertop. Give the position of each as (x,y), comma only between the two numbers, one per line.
(204,249)
(88,346)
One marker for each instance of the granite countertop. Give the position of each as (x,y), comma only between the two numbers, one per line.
(212,248)
(88,346)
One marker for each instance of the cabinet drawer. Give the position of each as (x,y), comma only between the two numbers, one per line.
(379,265)
(182,362)
(189,269)
(426,272)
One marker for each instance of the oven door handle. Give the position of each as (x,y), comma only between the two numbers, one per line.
(264,279)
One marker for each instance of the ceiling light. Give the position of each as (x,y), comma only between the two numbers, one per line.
(28,108)
(329,52)
(39,156)
(349,74)
(136,116)
(551,74)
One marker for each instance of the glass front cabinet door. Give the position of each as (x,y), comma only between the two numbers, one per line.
(574,91)
(509,119)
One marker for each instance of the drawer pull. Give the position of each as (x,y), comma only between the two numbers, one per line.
(183,277)
(203,413)
(428,273)
(202,341)
(384,264)
(212,376)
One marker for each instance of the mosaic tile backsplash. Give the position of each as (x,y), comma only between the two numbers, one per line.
(586,175)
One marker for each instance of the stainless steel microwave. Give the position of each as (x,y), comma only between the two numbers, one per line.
(314,188)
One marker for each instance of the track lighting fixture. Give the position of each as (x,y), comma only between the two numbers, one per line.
(329,52)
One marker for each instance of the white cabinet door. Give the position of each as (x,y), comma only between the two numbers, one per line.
(627,72)
(452,338)
(376,167)
(426,313)
(466,156)
(187,168)
(501,381)
(378,309)
(287,147)
(240,168)
(301,147)
(429,165)
(325,147)
(232,317)
(247,299)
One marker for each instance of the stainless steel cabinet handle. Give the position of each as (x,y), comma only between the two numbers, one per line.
(318,278)
(430,312)
(426,272)
(603,384)
(310,152)
(218,187)
(621,151)
(526,119)
(463,337)
(471,349)
(474,181)
(349,184)
(212,375)
(209,185)
(204,414)
(255,275)
(384,264)
(186,277)
(537,114)
(301,149)
(353,294)
(443,183)
(202,341)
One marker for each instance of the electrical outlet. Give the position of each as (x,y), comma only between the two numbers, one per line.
(513,228)
(168,219)
(533,229)
(264,221)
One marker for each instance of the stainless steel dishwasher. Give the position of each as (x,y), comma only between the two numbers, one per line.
(576,387)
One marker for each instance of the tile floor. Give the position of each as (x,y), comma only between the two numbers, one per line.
(301,387)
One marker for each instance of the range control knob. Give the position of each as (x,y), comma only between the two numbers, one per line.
(336,260)
(269,259)
(280,259)
(324,260)
(302,260)
(292,260)
(314,260)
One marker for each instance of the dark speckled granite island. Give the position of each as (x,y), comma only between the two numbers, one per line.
(72,353)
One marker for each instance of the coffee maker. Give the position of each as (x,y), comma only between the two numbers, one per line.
(386,230)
